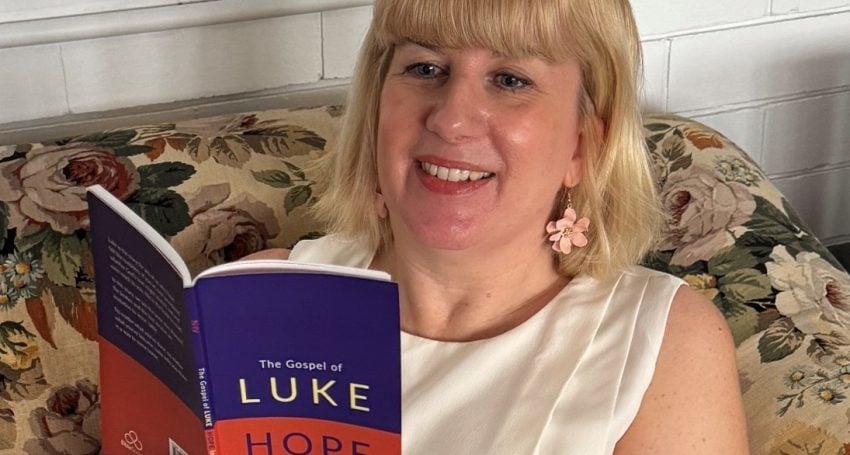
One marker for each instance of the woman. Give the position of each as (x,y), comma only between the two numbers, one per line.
(491,161)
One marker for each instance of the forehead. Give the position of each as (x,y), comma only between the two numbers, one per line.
(514,28)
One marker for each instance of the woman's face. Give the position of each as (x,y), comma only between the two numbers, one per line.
(473,147)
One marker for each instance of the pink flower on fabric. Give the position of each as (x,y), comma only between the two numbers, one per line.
(567,232)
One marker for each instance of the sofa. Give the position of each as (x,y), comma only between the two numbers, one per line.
(220,188)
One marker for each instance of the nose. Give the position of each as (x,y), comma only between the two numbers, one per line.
(458,113)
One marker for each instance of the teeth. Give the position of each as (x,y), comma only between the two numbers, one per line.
(453,174)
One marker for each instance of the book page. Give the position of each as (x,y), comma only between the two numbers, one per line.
(257,266)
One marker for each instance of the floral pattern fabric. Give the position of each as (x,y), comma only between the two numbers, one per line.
(733,237)
(220,188)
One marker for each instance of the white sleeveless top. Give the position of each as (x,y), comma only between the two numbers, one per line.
(569,380)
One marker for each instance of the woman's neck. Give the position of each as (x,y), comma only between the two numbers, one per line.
(463,296)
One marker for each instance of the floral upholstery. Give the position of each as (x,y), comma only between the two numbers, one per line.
(224,187)
(731,235)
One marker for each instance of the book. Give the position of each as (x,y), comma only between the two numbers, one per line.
(266,357)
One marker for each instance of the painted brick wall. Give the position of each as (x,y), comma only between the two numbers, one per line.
(773,75)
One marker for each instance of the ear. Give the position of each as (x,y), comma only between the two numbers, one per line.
(590,136)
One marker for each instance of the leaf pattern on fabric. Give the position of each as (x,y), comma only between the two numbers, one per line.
(284,140)
(780,340)
(702,139)
(231,150)
(8,431)
(165,175)
(41,319)
(77,308)
(21,373)
(108,139)
(17,348)
(297,197)
(274,177)
(62,256)
(4,222)
(164,209)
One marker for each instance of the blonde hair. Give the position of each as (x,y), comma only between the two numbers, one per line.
(617,192)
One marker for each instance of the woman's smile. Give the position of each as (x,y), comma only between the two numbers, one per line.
(445,177)
(453,174)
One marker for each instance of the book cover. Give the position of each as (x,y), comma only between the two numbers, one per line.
(255,357)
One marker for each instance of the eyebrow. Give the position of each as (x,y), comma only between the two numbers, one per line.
(407,41)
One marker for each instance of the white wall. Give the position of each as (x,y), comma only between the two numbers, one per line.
(25,10)
(773,75)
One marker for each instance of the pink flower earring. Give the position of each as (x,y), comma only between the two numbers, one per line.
(567,232)
(380,206)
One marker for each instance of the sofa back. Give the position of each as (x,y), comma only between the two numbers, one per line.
(220,188)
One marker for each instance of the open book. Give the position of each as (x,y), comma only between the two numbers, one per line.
(257,357)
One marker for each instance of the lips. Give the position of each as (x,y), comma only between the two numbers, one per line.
(453,174)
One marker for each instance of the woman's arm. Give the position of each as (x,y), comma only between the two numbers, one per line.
(693,405)
(271,253)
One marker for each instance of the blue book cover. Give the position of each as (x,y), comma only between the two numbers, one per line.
(254,357)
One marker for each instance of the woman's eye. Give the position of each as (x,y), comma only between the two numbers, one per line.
(423,70)
(511,82)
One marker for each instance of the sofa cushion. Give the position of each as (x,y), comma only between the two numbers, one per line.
(223,187)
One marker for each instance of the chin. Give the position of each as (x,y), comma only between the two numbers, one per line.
(445,236)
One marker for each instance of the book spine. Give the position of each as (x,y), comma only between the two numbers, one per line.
(204,378)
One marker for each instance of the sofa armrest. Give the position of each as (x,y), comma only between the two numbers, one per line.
(732,236)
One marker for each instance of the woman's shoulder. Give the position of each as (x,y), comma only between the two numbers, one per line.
(648,292)
(330,249)
(271,253)
(319,250)
(693,403)
(696,326)
(647,273)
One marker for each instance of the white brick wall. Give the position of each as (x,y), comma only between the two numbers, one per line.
(772,75)
(822,135)
(343,32)
(795,6)
(664,16)
(32,84)
(656,54)
(759,62)
(162,67)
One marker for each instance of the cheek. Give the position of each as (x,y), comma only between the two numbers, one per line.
(396,137)
(386,126)
(396,118)
(549,146)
